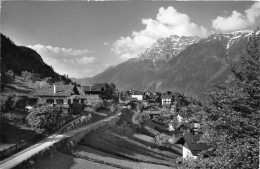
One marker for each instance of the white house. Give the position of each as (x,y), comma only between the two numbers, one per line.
(166,99)
(58,94)
(191,146)
(138,95)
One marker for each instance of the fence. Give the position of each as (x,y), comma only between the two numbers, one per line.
(25,143)
(15,148)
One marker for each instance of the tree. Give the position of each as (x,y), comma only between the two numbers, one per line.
(112,86)
(43,118)
(27,76)
(232,119)
(77,108)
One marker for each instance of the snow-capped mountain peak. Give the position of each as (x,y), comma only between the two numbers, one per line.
(167,48)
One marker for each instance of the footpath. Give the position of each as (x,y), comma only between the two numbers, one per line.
(49,141)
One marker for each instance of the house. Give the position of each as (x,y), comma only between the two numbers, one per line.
(191,146)
(152,98)
(195,124)
(94,90)
(166,99)
(184,127)
(36,77)
(153,113)
(137,94)
(183,116)
(58,94)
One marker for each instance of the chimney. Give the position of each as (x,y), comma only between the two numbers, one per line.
(54,89)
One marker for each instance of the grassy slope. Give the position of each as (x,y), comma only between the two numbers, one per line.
(111,140)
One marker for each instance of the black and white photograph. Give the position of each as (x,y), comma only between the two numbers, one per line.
(130,84)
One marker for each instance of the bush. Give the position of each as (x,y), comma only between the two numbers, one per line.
(43,118)
(95,103)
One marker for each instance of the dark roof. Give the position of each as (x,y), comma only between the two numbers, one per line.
(185,114)
(61,90)
(187,125)
(193,143)
(152,112)
(166,96)
(137,93)
(92,88)
(80,89)
(152,96)
(132,99)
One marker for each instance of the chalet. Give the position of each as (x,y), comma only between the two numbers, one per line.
(138,95)
(184,127)
(152,98)
(153,113)
(166,99)
(58,94)
(191,146)
(94,90)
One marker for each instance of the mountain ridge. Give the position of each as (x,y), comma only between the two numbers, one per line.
(192,71)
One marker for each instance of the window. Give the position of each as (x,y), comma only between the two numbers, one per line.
(69,101)
(59,101)
(50,101)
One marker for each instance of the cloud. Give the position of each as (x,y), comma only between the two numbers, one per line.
(168,22)
(86,60)
(65,60)
(106,44)
(60,51)
(237,20)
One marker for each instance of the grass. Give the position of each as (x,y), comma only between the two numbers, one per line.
(108,159)
(65,161)
(107,139)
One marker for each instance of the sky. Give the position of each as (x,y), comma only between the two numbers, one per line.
(83,38)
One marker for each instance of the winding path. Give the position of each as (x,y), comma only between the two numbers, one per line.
(49,141)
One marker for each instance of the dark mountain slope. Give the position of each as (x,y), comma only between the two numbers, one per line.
(20,58)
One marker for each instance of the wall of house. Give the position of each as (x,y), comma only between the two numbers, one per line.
(186,153)
(65,99)
(166,101)
(139,97)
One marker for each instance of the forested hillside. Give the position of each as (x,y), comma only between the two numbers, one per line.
(20,58)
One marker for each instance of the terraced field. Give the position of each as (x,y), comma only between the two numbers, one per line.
(109,140)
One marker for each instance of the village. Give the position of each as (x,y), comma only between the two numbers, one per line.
(170,119)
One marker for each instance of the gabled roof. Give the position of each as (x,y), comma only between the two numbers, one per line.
(166,96)
(193,143)
(61,90)
(80,89)
(93,88)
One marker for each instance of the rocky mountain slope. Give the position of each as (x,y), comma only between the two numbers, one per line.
(185,64)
